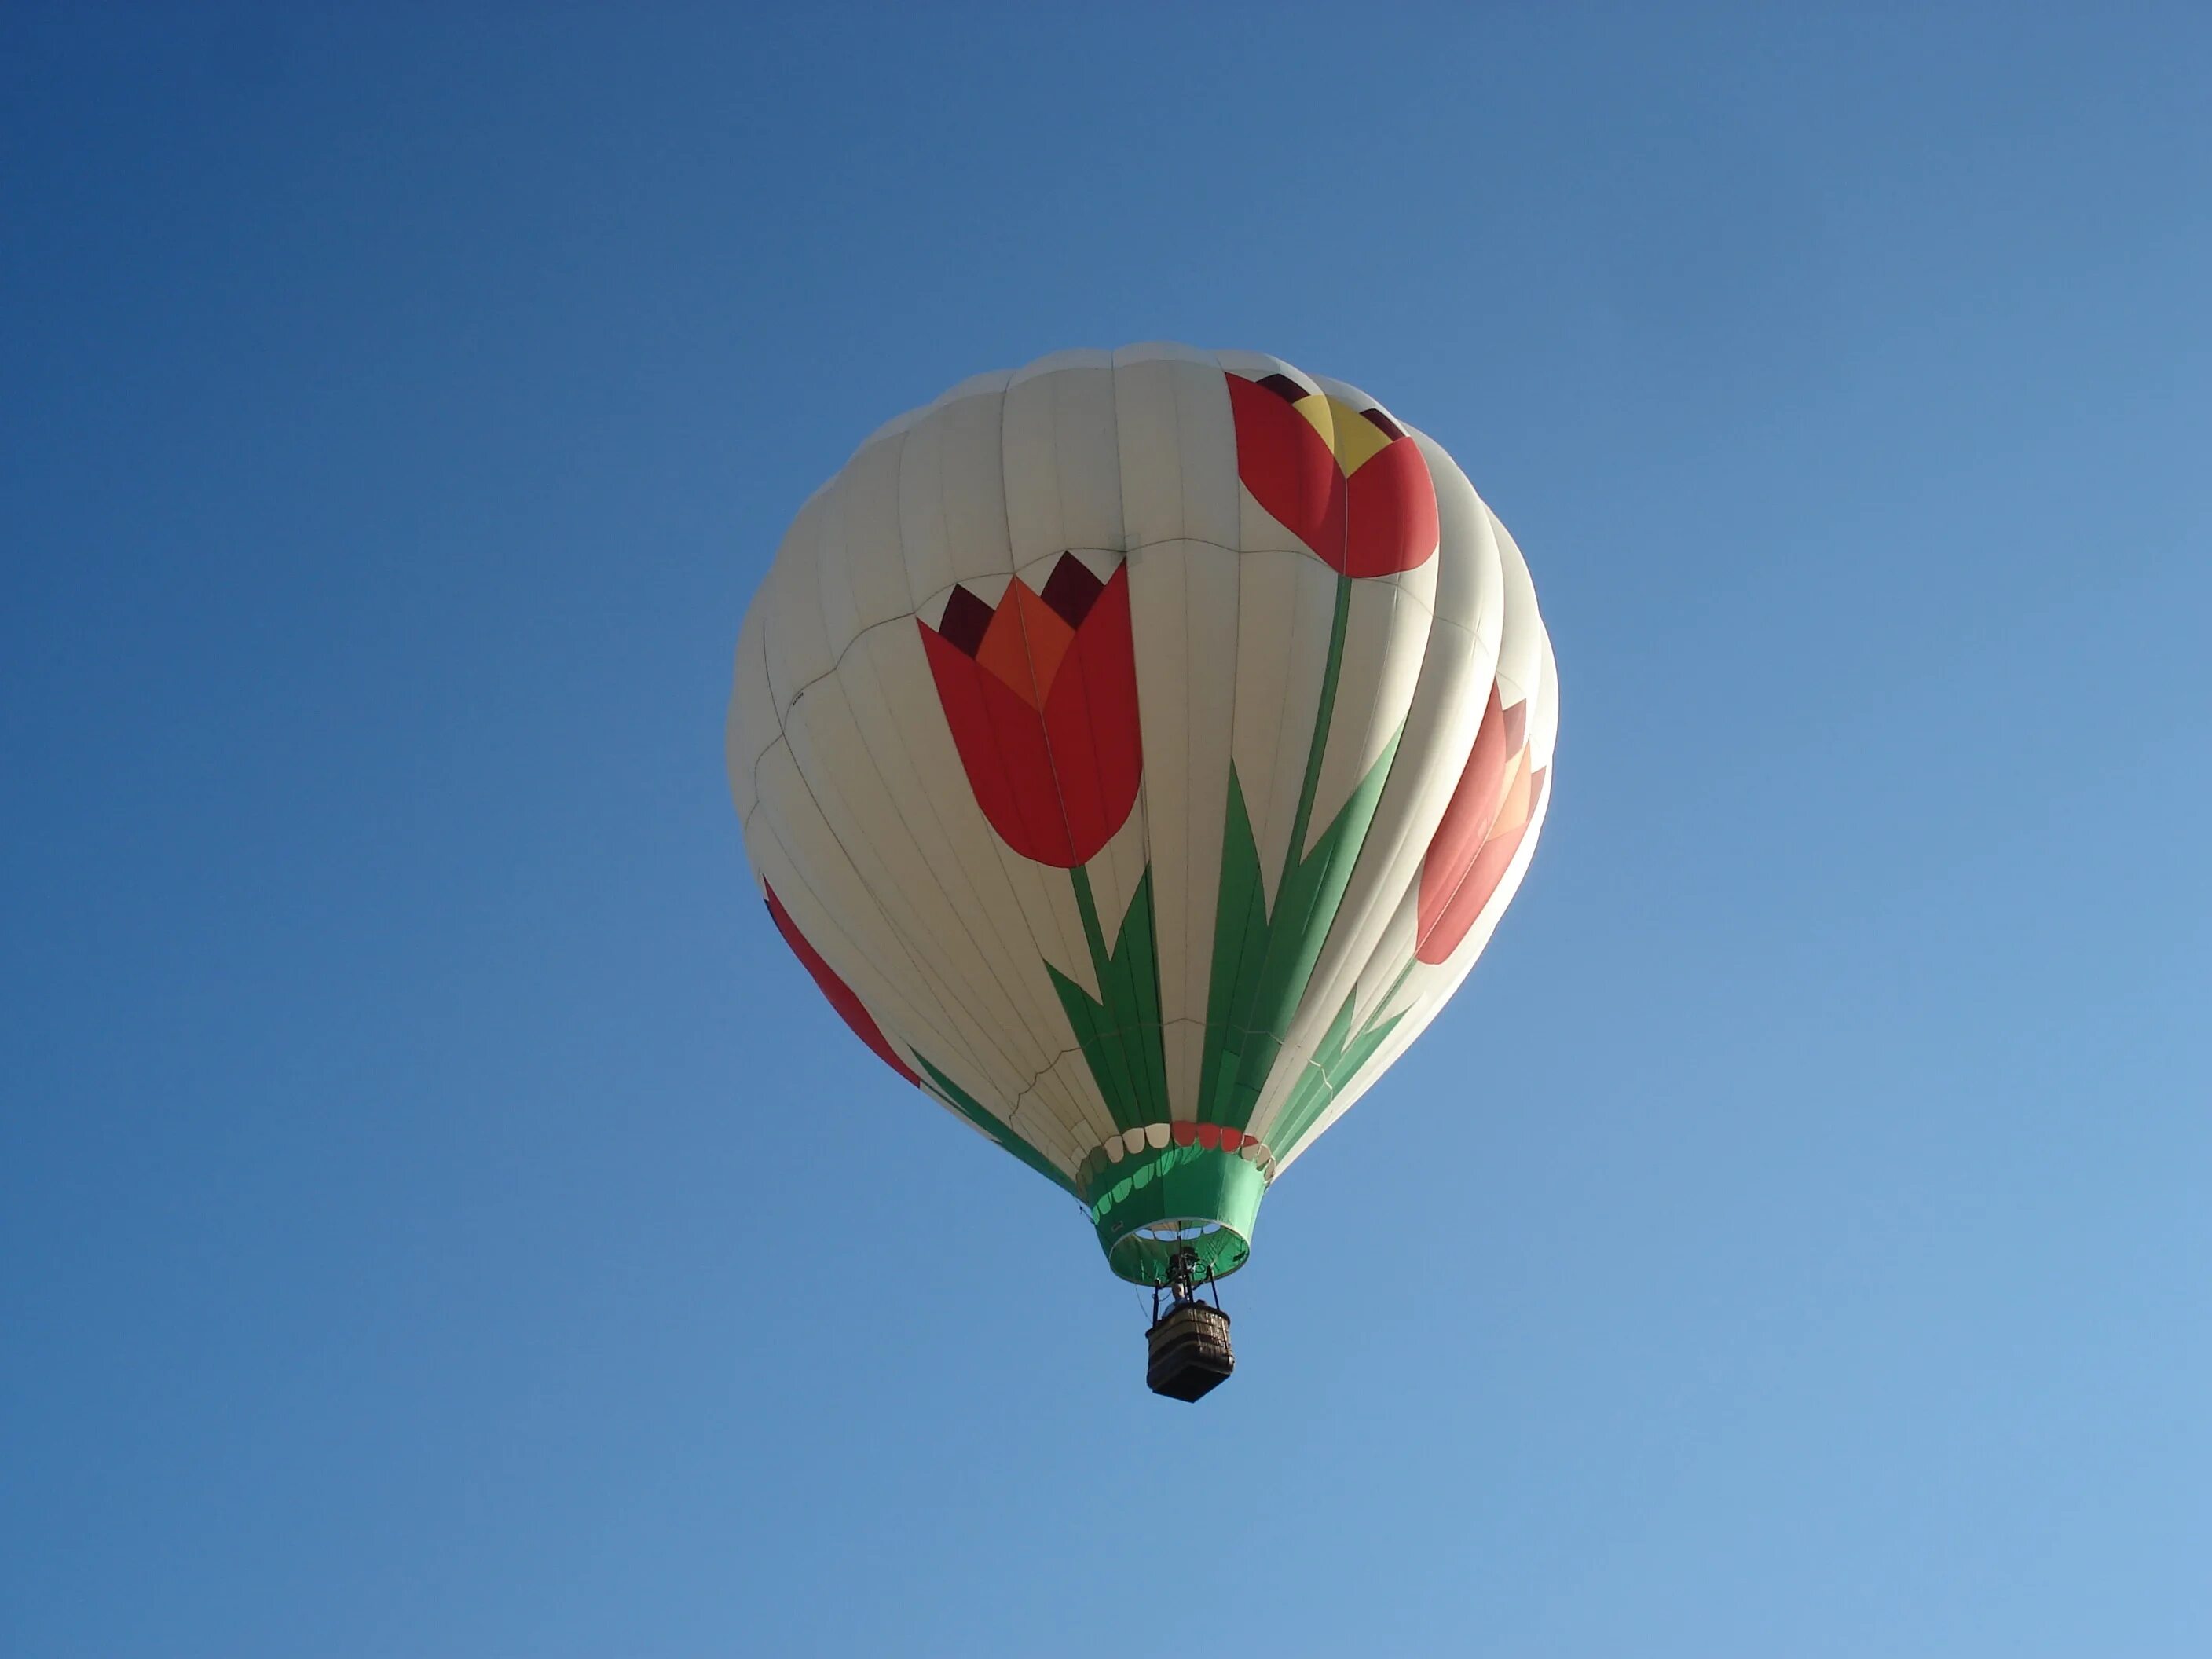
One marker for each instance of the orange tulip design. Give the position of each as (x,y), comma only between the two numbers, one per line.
(1041,693)
(1482,826)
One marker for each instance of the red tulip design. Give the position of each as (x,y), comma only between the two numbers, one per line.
(1348,482)
(1041,693)
(1482,827)
(840,994)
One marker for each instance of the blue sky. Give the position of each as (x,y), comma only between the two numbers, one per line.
(439,1218)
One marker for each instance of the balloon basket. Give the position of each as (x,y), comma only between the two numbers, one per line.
(1188,1354)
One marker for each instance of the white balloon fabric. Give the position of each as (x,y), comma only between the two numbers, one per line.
(1138,749)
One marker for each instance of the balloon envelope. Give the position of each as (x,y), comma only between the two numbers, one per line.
(1138,749)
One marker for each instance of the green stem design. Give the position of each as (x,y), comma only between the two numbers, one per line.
(1087,905)
(1396,986)
(1339,625)
(1264,959)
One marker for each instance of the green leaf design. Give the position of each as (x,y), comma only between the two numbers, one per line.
(1262,960)
(1121,1035)
(1341,1055)
(977,1113)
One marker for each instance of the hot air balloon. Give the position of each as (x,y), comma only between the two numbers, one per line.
(1138,749)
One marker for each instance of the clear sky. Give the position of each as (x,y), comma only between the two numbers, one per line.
(437,1218)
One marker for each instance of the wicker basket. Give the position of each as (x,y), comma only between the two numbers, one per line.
(1189,1351)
